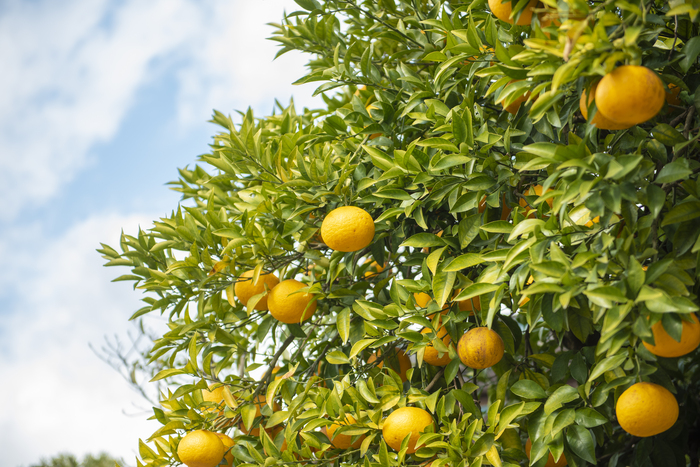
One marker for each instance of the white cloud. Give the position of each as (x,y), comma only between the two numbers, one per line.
(57,396)
(71,72)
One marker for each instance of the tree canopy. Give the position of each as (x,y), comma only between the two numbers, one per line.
(503,199)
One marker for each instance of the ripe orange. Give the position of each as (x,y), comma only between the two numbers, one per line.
(431,354)
(402,422)
(421,299)
(374,268)
(630,95)
(480,348)
(341,441)
(502,11)
(200,448)
(667,346)
(228,444)
(513,107)
(550,461)
(646,409)
(216,396)
(245,289)
(672,95)
(287,306)
(397,359)
(347,228)
(472,304)
(532,191)
(600,120)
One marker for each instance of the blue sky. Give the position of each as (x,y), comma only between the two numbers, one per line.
(100,102)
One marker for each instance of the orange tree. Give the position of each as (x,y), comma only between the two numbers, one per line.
(483,249)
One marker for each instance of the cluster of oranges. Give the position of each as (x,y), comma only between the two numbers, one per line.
(627,96)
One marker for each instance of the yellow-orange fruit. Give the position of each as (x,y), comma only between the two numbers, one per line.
(200,448)
(600,120)
(431,354)
(228,444)
(646,409)
(472,304)
(398,361)
(374,268)
(347,228)
(550,461)
(289,307)
(532,191)
(672,95)
(480,348)
(503,10)
(402,422)
(630,95)
(667,346)
(342,441)
(421,299)
(245,289)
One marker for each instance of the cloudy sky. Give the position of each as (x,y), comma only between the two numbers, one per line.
(100,102)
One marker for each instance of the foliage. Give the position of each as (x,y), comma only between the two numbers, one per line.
(69,460)
(414,132)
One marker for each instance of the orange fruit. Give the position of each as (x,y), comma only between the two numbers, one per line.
(471,304)
(630,95)
(374,268)
(550,461)
(672,95)
(422,299)
(513,107)
(341,441)
(405,421)
(503,11)
(667,346)
(289,307)
(347,228)
(480,348)
(200,448)
(646,409)
(397,359)
(216,396)
(431,354)
(532,191)
(600,120)
(245,289)
(228,444)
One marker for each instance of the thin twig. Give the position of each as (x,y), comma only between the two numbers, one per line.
(435,379)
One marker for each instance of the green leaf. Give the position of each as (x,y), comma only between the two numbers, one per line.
(581,443)
(450,161)
(167,373)
(423,240)
(360,346)
(528,389)
(443,283)
(607,364)
(337,358)
(439,143)
(498,227)
(343,324)
(682,212)
(590,418)
(667,135)
(560,397)
(475,290)
(463,262)
(691,49)
(676,170)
